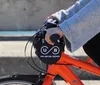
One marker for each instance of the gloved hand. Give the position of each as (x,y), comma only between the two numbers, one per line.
(52,31)
(51,21)
(53,18)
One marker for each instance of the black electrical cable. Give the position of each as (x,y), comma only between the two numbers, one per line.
(25,54)
(43,71)
(34,61)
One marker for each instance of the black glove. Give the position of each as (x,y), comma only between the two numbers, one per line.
(51,22)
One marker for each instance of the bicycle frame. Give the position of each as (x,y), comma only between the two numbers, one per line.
(66,73)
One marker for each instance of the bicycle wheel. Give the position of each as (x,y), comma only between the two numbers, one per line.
(18,80)
(9,81)
(15,82)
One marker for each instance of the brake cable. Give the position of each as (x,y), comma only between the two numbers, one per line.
(39,69)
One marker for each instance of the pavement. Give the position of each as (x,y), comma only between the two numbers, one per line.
(85,82)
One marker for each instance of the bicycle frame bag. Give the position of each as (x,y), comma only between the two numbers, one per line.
(47,53)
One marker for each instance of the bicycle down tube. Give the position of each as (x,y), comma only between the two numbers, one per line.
(66,73)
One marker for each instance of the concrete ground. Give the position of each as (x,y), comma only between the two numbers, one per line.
(86,82)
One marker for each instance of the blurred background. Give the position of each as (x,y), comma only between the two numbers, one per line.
(29,15)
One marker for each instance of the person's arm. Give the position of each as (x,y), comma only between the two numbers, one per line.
(65,14)
(83,25)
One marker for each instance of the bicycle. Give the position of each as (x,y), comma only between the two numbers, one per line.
(46,77)
(63,70)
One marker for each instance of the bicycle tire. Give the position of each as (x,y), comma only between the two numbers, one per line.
(15,82)
(18,80)
(10,81)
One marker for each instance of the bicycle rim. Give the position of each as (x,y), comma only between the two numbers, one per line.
(15,82)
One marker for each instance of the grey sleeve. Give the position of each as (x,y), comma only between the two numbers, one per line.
(82,26)
(65,14)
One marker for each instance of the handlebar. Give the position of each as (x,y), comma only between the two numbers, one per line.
(54,38)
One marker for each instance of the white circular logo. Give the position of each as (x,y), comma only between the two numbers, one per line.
(45,50)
